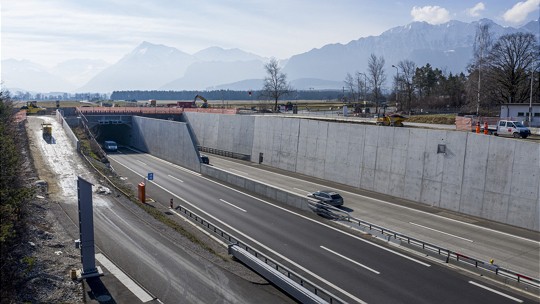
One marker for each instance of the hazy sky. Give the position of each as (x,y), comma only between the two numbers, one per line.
(52,31)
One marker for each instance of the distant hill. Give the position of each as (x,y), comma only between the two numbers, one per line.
(151,66)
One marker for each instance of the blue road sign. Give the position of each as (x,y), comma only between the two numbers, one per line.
(150,176)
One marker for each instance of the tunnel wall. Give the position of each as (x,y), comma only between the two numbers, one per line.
(166,139)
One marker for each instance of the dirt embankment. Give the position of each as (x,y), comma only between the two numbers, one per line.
(46,252)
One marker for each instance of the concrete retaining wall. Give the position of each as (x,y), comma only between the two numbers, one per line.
(169,140)
(269,191)
(485,176)
(233,133)
(67,127)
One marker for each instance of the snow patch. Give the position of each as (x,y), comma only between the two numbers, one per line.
(62,159)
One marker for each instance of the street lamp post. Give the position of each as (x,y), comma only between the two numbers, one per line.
(397,82)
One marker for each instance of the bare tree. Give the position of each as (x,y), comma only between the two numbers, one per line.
(362,85)
(275,83)
(376,77)
(482,44)
(511,59)
(350,84)
(408,70)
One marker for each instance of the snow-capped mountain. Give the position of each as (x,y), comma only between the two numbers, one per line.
(446,46)
(24,74)
(150,66)
(79,71)
(147,67)
(219,54)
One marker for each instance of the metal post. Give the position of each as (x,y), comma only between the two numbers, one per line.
(397,83)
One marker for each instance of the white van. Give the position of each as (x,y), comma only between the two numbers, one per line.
(110,145)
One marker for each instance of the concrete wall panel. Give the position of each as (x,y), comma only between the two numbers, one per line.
(486,176)
(166,139)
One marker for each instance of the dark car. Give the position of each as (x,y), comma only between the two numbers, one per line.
(205,159)
(329,197)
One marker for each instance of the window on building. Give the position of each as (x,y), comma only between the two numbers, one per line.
(521,114)
(536,114)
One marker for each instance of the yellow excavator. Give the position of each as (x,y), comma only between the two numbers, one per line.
(31,107)
(205,102)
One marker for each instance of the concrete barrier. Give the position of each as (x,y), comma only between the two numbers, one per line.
(67,127)
(289,198)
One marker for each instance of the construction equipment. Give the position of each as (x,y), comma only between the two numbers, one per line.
(392,120)
(31,107)
(47,130)
(205,102)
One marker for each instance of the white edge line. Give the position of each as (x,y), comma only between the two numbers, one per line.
(496,291)
(319,223)
(122,277)
(350,260)
(232,205)
(411,209)
(255,241)
(164,161)
(446,233)
(239,171)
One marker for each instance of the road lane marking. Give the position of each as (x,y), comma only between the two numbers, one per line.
(122,277)
(302,190)
(166,162)
(317,222)
(175,178)
(232,205)
(321,279)
(142,162)
(452,235)
(238,171)
(350,260)
(403,207)
(496,291)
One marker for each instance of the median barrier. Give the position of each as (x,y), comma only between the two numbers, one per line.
(289,198)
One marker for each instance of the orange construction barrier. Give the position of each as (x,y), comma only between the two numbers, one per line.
(478,127)
(142,192)
(486,128)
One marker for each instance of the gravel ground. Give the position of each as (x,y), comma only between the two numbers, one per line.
(47,252)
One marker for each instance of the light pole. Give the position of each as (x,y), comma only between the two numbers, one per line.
(397,82)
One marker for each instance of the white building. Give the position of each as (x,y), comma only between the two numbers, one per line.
(520,112)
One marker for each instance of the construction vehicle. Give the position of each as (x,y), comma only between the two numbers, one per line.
(31,107)
(392,120)
(47,130)
(205,102)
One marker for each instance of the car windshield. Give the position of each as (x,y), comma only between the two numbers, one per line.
(335,196)
(519,124)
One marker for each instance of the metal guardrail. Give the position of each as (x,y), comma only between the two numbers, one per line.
(225,153)
(231,240)
(449,254)
(329,212)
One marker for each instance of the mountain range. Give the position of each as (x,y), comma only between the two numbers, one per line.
(151,66)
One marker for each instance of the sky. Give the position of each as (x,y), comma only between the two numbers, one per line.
(52,31)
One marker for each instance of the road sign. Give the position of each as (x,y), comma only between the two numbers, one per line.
(150,176)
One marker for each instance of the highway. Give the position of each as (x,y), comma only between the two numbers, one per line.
(145,251)
(510,247)
(352,266)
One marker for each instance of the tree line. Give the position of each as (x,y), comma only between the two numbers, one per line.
(14,194)
(246,95)
(505,71)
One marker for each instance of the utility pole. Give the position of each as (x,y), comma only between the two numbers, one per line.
(397,82)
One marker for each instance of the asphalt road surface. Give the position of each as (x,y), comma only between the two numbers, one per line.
(354,267)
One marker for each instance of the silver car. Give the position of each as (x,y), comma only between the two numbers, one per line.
(329,197)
